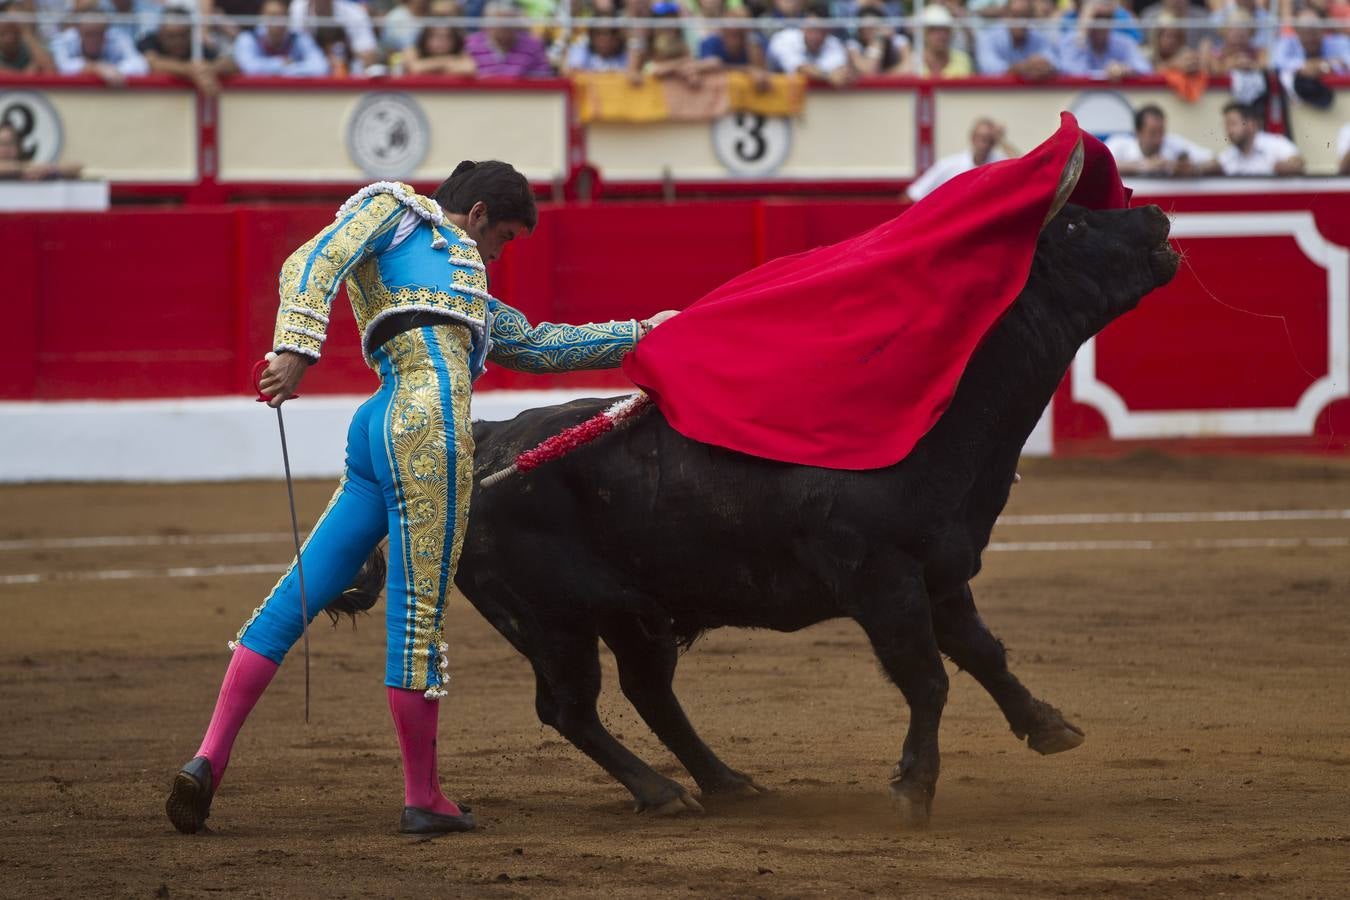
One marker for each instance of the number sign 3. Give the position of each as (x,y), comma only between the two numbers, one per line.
(750,145)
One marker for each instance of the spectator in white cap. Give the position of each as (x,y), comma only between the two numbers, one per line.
(940,58)
(1254,151)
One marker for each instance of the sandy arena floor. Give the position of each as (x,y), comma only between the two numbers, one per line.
(1208,662)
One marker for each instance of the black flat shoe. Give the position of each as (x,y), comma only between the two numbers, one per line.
(189,800)
(424,821)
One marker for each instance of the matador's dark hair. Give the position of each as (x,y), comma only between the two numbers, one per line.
(502,189)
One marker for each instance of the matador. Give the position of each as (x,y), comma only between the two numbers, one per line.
(415,271)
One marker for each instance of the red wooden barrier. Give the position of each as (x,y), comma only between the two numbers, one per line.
(1248,346)
(136,304)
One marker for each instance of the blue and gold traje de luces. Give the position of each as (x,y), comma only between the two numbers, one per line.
(409,472)
(396,252)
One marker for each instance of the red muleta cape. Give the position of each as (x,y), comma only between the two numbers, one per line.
(845,356)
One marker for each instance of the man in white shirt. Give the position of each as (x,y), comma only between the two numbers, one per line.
(986,139)
(95,48)
(1151,150)
(1343,150)
(811,51)
(1253,151)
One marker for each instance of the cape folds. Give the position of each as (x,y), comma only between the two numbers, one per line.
(846,355)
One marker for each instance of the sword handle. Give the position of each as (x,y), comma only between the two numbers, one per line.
(259,368)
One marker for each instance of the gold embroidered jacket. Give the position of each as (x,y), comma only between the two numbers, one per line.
(396,252)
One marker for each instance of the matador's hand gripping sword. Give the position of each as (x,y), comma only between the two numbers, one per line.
(258,370)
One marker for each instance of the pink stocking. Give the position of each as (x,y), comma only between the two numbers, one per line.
(415,720)
(246,678)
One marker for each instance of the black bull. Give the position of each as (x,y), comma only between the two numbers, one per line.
(645,538)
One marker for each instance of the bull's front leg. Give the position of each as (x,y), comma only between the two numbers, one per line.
(897,621)
(647,658)
(567,687)
(963,636)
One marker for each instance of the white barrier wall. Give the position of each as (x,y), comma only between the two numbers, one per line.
(147,135)
(202,439)
(273,133)
(222,438)
(840,136)
(300,135)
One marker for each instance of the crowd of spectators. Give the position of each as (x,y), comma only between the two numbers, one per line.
(1032,40)
(1029,39)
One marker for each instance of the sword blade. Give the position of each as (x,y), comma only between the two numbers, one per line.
(299,563)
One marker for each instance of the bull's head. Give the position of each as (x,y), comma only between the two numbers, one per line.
(1095,265)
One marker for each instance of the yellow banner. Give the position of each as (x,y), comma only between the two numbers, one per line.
(612,97)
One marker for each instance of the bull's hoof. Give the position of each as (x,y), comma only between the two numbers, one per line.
(912,804)
(1056,740)
(1047,731)
(734,785)
(676,806)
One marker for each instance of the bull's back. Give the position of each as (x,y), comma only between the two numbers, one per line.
(644,516)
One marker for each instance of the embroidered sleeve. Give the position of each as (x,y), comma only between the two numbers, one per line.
(516,344)
(311,275)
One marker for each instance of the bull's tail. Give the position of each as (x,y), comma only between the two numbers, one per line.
(365,588)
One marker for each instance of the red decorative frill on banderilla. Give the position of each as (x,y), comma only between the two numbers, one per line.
(570,439)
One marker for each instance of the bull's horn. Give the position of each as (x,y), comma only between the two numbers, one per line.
(1068,180)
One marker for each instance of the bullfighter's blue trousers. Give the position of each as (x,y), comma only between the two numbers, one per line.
(408,475)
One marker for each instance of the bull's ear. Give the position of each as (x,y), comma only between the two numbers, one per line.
(1068,180)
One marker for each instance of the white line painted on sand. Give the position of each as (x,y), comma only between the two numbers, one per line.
(1194,544)
(994,547)
(1124,518)
(146,574)
(1141,518)
(144,540)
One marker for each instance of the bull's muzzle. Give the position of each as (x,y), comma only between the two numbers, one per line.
(1162,258)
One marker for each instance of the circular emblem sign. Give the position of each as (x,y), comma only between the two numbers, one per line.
(388,135)
(1103,113)
(750,145)
(36,121)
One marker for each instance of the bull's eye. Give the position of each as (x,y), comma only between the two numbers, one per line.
(1073,228)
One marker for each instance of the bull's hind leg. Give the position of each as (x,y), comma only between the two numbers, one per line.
(647,663)
(567,686)
(898,624)
(963,636)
